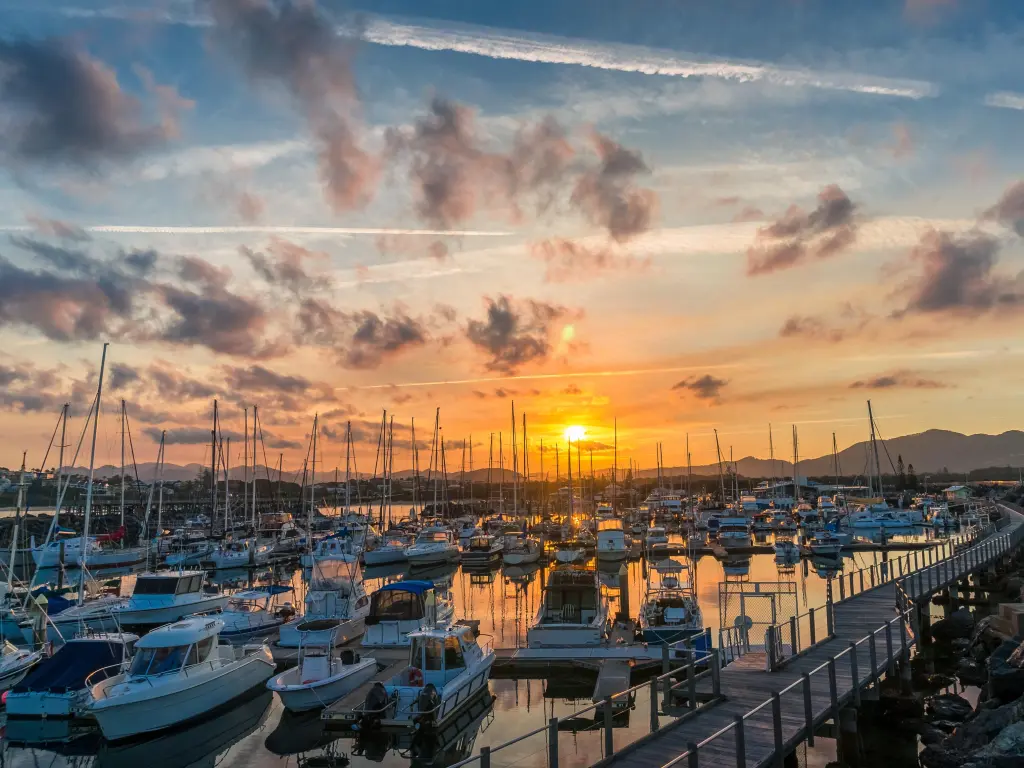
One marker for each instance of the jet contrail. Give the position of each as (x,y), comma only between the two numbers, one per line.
(161,230)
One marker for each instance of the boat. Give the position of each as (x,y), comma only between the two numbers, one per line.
(939,516)
(521,550)
(880,516)
(604,511)
(238,553)
(825,544)
(806,515)
(763,522)
(55,688)
(322,675)
(573,612)
(339,547)
(433,545)
(827,508)
(483,549)
(336,591)
(670,612)
(570,551)
(786,551)
(179,673)
(611,539)
(467,532)
(190,553)
(390,550)
(254,613)
(70,552)
(656,543)
(447,669)
(734,533)
(15,664)
(784,523)
(401,608)
(290,539)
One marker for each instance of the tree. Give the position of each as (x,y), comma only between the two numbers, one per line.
(901,475)
(911,478)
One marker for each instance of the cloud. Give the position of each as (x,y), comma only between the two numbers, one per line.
(900,380)
(60,106)
(187,435)
(607,194)
(362,339)
(173,385)
(260,379)
(121,376)
(283,265)
(59,229)
(568,260)
(749,213)
(1009,210)
(1004,100)
(293,46)
(27,389)
(812,327)
(706,387)
(572,389)
(957,276)
(250,207)
(826,231)
(515,333)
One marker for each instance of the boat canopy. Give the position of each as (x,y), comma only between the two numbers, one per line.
(183,632)
(263,593)
(169,583)
(67,669)
(418,586)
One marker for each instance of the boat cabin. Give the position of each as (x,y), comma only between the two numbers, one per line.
(398,609)
(570,597)
(175,646)
(440,655)
(158,585)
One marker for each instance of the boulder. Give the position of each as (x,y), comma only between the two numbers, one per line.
(1006,670)
(1006,749)
(971,672)
(1013,586)
(931,735)
(960,644)
(949,706)
(959,624)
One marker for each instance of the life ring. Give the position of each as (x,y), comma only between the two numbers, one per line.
(416,677)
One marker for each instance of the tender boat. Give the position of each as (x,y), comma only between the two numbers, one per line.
(390,550)
(179,673)
(401,608)
(483,549)
(323,675)
(254,613)
(670,613)
(434,545)
(336,591)
(238,553)
(734,533)
(15,664)
(656,543)
(573,611)
(447,669)
(521,550)
(611,539)
(55,688)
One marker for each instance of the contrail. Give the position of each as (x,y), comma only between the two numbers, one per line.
(1005,100)
(214,230)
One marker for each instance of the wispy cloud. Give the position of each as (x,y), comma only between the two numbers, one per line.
(1005,100)
(268,230)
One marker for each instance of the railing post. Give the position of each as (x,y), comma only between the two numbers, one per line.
(691,684)
(692,760)
(771,648)
(851,584)
(842,589)
(808,710)
(553,742)
(916,566)
(833,690)
(810,616)
(654,704)
(716,673)
(780,756)
(830,618)
(873,656)
(794,638)
(861,579)
(741,743)
(888,646)
(872,577)
(905,646)
(666,691)
(854,672)
(664,659)
(609,736)
(485,757)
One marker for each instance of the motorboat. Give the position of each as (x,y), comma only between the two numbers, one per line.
(939,516)
(323,674)
(806,515)
(573,612)
(877,517)
(190,553)
(656,542)
(843,537)
(433,545)
(570,551)
(670,612)
(390,550)
(339,547)
(290,539)
(15,663)
(447,668)
(521,550)
(238,553)
(784,523)
(483,549)
(604,511)
(335,591)
(401,608)
(827,508)
(55,688)
(611,539)
(468,531)
(734,533)
(72,552)
(786,551)
(179,673)
(763,522)
(825,544)
(255,613)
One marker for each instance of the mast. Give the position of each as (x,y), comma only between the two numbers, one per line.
(312,473)
(17,520)
(415,467)
(721,477)
(835,461)
(227,484)
(245,464)
(771,457)
(213,470)
(689,472)
(60,465)
(348,455)
(160,491)
(526,459)
(874,448)
(252,495)
(796,465)
(390,467)
(92,474)
(543,479)
(615,463)
(501,475)
(122,460)
(280,476)
(571,505)
(515,465)
(472,496)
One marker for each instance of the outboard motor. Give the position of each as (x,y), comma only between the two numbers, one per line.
(427,703)
(376,701)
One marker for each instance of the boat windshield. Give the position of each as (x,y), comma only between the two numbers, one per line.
(428,651)
(156,661)
(398,605)
(163,585)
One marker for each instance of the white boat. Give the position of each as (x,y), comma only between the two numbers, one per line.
(447,668)
(825,544)
(391,549)
(255,613)
(656,542)
(290,539)
(191,553)
(95,554)
(604,511)
(434,545)
(237,553)
(15,664)
(763,522)
(322,675)
(521,550)
(570,551)
(483,549)
(939,516)
(611,539)
(336,591)
(55,688)
(786,551)
(670,612)
(467,532)
(573,612)
(179,673)
(401,608)
(877,517)
(806,515)
(784,523)
(734,533)
(827,508)
(340,548)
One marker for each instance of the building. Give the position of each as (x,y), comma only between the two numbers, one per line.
(957,493)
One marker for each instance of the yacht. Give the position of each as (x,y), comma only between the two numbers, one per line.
(55,688)
(290,539)
(323,674)
(179,673)
(483,549)
(390,550)
(447,668)
(336,591)
(604,511)
(827,508)
(763,522)
(401,608)
(189,553)
(255,613)
(734,533)
(467,532)
(238,553)
(670,612)
(656,543)
(786,551)
(573,611)
(521,550)
(806,515)
(611,539)
(15,664)
(434,545)
(570,551)
(877,517)
(825,544)
(784,523)
(93,553)
(340,547)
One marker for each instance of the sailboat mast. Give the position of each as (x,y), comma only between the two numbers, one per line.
(571,500)
(874,448)
(122,460)
(312,473)
(252,495)
(721,476)
(348,458)
(92,474)
(213,470)
(227,486)
(245,463)
(689,473)
(160,486)
(515,465)
(771,457)
(615,463)
(796,466)
(60,464)
(17,520)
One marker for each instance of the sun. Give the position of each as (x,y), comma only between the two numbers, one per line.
(575,434)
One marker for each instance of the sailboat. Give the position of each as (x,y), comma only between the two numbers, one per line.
(875,512)
(670,611)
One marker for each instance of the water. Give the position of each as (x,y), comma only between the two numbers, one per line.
(258,732)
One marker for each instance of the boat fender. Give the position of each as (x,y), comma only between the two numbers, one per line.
(415,676)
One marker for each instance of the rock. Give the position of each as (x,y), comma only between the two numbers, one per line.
(959,624)
(1013,586)
(960,644)
(1006,671)
(985,725)
(971,672)
(949,706)
(1006,749)
(939,756)
(938,680)
(946,726)
(931,735)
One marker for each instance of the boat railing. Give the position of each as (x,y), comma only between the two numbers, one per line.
(189,671)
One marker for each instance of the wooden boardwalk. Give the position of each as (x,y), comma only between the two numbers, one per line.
(752,726)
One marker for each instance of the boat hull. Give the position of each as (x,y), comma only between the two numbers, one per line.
(160,615)
(565,635)
(435,557)
(299,697)
(384,556)
(285,650)
(112,558)
(521,558)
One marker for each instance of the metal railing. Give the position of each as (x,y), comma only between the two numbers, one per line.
(788,639)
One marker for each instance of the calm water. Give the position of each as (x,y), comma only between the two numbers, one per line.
(259,733)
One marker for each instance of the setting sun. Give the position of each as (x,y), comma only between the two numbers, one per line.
(575,434)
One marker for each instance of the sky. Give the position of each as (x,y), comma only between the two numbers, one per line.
(677,217)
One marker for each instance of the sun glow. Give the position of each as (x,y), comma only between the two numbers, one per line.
(575,434)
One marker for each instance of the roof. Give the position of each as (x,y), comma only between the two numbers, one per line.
(171,574)
(67,669)
(183,632)
(416,586)
(261,594)
(955,488)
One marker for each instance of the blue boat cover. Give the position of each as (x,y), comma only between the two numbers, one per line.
(416,586)
(67,669)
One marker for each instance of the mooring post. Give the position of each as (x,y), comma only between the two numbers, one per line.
(741,744)
(485,757)
(814,640)
(780,756)
(609,736)
(842,589)
(808,710)
(853,671)
(654,703)
(553,742)
(861,579)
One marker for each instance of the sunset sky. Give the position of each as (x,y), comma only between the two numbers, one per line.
(684,215)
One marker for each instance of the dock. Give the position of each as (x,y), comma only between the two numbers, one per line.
(337,716)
